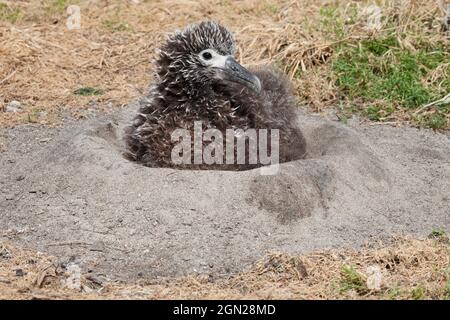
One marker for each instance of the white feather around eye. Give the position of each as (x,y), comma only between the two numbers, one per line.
(210,57)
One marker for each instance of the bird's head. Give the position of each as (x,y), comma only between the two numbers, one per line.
(199,59)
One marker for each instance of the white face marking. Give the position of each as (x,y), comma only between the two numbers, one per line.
(210,57)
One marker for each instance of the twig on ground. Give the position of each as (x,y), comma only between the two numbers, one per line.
(443,100)
(8,77)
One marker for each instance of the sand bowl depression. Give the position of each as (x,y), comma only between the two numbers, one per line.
(69,192)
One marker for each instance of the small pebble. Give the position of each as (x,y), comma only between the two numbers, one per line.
(19,273)
(14,106)
(5,254)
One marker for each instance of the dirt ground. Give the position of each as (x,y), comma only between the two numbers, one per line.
(97,226)
(69,192)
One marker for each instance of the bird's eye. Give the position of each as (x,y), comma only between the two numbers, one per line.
(207,55)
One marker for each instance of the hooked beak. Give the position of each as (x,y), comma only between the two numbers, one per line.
(234,72)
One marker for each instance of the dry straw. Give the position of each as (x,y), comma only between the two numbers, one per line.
(42,63)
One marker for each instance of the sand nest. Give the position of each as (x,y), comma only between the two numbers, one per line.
(70,193)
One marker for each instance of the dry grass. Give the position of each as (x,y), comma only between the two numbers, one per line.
(410,268)
(42,63)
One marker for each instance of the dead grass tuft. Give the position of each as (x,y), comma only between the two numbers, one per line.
(42,63)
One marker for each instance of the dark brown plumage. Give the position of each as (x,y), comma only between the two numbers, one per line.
(198,80)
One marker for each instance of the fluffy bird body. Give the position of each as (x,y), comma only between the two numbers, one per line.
(197,79)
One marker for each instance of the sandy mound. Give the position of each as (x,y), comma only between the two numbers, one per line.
(69,192)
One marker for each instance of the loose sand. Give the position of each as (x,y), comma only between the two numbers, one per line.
(69,192)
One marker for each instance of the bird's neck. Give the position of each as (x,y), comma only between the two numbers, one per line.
(175,91)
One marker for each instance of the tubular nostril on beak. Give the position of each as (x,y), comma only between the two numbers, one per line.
(240,74)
